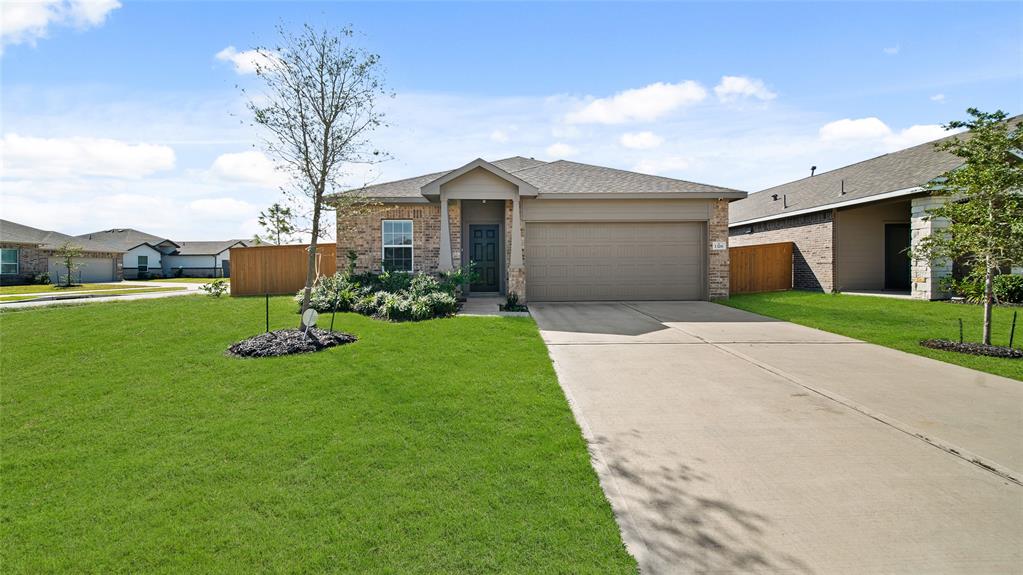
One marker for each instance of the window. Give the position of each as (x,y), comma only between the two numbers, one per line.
(9,261)
(397,245)
(143,263)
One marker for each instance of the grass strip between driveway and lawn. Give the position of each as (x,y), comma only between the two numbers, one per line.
(102,293)
(131,442)
(895,323)
(51,288)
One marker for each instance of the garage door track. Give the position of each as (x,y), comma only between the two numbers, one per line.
(731,443)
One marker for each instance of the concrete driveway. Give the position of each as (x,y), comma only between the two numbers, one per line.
(728,442)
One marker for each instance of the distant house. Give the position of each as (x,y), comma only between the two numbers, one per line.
(26,253)
(146,255)
(143,253)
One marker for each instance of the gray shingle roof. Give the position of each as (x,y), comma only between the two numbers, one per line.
(900,170)
(21,234)
(124,238)
(560,177)
(205,248)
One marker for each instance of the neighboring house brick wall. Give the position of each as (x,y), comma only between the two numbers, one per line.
(812,236)
(717,260)
(31,262)
(925,275)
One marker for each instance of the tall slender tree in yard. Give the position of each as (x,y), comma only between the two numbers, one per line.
(279,223)
(67,252)
(319,107)
(984,202)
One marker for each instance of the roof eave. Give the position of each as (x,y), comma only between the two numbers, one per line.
(832,206)
(730,195)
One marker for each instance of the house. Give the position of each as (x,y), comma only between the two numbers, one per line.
(143,253)
(549,231)
(26,253)
(852,228)
(146,255)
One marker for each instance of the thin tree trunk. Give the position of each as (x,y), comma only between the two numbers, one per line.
(988,302)
(310,275)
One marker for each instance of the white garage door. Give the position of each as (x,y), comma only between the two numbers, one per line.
(90,270)
(582,261)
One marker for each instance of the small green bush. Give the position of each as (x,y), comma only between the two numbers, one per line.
(393,296)
(1009,288)
(215,288)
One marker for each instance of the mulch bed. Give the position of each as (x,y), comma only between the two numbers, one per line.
(974,348)
(289,341)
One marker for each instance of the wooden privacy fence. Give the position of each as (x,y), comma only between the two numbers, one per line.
(764,267)
(277,270)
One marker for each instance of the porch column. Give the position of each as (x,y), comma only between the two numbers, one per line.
(927,275)
(516,240)
(444,263)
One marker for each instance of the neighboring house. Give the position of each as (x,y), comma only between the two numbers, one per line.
(143,253)
(26,253)
(853,227)
(550,231)
(202,259)
(151,255)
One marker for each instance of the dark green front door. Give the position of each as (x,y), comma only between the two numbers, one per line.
(896,257)
(484,252)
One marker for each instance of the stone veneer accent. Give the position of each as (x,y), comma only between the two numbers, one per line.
(926,275)
(362,233)
(718,271)
(516,275)
(812,235)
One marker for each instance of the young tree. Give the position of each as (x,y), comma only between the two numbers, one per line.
(67,252)
(319,109)
(984,205)
(279,223)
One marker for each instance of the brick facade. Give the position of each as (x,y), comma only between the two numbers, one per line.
(516,275)
(362,233)
(812,235)
(718,270)
(33,262)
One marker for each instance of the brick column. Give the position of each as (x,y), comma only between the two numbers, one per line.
(717,260)
(444,263)
(927,275)
(516,267)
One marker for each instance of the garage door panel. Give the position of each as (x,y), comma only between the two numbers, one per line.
(615,260)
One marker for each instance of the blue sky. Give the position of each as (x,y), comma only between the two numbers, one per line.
(118,114)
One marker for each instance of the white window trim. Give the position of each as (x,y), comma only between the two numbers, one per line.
(17,260)
(138,263)
(383,246)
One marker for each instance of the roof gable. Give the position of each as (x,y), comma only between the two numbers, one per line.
(432,188)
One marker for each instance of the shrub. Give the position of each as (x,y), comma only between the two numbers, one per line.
(215,288)
(179,272)
(1009,288)
(43,278)
(394,296)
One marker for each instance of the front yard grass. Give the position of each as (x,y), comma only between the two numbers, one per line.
(102,293)
(132,443)
(895,323)
(46,288)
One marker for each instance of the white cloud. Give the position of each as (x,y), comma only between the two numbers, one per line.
(639,104)
(222,208)
(734,87)
(938,98)
(892,50)
(244,62)
(252,167)
(849,129)
(27,21)
(499,136)
(44,158)
(664,165)
(874,131)
(641,140)
(560,150)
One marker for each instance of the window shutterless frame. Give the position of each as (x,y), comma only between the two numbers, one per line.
(387,232)
(9,261)
(143,263)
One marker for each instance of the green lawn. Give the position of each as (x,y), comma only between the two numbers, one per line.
(104,293)
(132,443)
(46,288)
(895,323)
